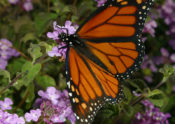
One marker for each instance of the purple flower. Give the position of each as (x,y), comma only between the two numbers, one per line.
(51,94)
(14,119)
(53,35)
(165,58)
(2,116)
(3,64)
(60,29)
(158,60)
(100,2)
(152,115)
(172,57)
(20,120)
(13,1)
(167,13)
(56,113)
(7,118)
(28,5)
(174,88)
(172,43)
(6,52)
(6,105)
(164,52)
(60,50)
(149,27)
(148,78)
(148,63)
(71,29)
(33,115)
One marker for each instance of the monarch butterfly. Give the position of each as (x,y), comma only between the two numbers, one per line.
(105,49)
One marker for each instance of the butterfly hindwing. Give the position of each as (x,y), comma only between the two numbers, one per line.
(89,86)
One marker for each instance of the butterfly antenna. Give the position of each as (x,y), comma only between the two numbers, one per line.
(63,47)
(66,30)
(63,29)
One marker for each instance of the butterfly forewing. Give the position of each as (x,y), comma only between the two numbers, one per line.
(117,24)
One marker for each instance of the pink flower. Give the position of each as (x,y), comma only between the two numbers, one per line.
(13,1)
(6,105)
(28,6)
(150,27)
(60,50)
(56,113)
(51,94)
(100,2)
(33,115)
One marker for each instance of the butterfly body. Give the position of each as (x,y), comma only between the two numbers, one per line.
(70,40)
(105,49)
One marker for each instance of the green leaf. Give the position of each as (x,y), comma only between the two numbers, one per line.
(16,65)
(29,36)
(140,85)
(167,71)
(46,46)
(157,102)
(147,71)
(42,20)
(5,74)
(129,110)
(30,91)
(157,97)
(45,81)
(154,92)
(66,9)
(35,51)
(23,25)
(29,72)
(128,94)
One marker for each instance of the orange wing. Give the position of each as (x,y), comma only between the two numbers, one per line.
(112,35)
(110,47)
(111,22)
(89,86)
(118,58)
(120,19)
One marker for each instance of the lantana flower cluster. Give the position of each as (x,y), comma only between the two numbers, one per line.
(55,106)
(150,27)
(6,52)
(152,115)
(6,117)
(167,14)
(59,51)
(26,4)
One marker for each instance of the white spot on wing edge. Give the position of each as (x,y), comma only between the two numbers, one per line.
(68,84)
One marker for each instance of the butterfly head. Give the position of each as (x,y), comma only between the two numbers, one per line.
(69,39)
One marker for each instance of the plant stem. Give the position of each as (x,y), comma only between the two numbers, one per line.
(41,59)
(11,83)
(70,14)
(48,5)
(22,102)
